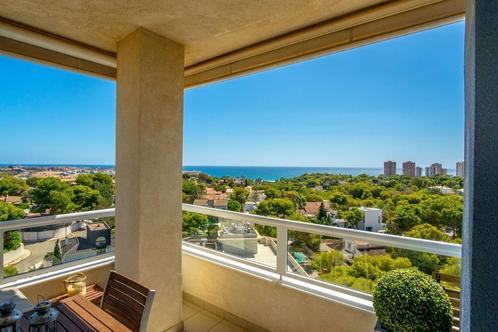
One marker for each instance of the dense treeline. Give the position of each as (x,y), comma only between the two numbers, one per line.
(405,201)
(52,195)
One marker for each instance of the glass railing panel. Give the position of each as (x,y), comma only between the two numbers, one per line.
(38,248)
(359,264)
(242,239)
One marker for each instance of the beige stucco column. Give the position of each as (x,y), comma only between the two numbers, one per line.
(149,170)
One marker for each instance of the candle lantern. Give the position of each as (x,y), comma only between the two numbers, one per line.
(9,317)
(44,319)
(76,284)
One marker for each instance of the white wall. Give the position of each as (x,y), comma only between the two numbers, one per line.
(268,304)
(372,218)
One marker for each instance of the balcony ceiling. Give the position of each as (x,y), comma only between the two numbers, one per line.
(222,38)
(207,28)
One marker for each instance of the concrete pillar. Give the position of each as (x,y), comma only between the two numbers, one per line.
(480,241)
(149,170)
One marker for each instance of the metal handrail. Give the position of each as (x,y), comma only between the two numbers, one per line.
(58,219)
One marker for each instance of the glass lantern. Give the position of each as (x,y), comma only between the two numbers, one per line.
(75,285)
(44,319)
(9,317)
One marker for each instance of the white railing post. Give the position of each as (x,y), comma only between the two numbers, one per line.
(282,250)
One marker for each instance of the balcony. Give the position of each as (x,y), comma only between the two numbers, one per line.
(155,50)
(259,286)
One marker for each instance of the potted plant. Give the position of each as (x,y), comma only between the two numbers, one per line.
(407,300)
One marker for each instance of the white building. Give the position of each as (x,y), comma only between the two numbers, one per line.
(443,190)
(250,206)
(372,219)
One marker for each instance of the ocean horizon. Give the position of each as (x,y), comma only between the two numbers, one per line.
(266,173)
(272,173)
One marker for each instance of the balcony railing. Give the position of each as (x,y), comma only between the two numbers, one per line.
(282,270)
(53,220)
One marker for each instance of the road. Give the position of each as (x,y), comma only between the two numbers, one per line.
(38,251)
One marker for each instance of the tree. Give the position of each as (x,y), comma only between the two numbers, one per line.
(444,210)
(11,186)
(240,195)
(294,196)
(85,198)
(234,205)
(12,239)
(61,202)
(428,232)
(276,207)
(339,198)
(425,262)
(9,271)
(194,223)
(325,261)
(56,255)
(85,180)
(302,240)
(359,190)
(10,212)
(322,214)
(42,189)
(353,217)
(105,186)
(313,197)
(364,271)
(452,267)
(405,217)
(273,193)
(192,190)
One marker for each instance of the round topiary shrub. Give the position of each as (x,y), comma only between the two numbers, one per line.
(408,300)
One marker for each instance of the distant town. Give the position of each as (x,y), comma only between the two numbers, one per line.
(67,173)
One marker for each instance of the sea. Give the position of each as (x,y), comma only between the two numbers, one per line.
(269,173)
(266,173)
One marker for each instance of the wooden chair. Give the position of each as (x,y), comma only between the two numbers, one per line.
(127,301)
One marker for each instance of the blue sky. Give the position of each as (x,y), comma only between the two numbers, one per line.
(401,99)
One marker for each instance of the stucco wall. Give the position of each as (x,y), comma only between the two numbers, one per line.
(268,304)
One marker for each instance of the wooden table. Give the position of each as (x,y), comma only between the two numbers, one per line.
(78,314)
(93,294)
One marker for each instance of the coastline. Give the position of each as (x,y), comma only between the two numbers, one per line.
(266,173)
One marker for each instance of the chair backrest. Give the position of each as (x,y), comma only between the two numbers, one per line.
(127,301)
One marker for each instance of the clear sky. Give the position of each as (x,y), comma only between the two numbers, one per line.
(401,99)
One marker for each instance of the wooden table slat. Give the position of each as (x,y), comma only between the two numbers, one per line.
(101,315)
(77,314)
(71,322)
(87,316)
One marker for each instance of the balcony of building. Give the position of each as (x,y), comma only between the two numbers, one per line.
(154,50)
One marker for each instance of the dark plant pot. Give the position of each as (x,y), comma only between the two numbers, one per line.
(379,328)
